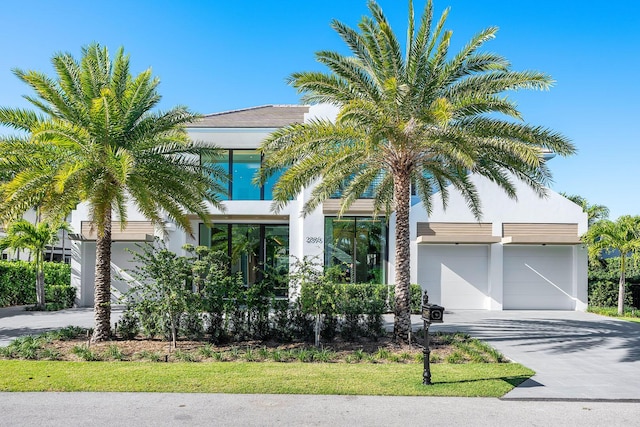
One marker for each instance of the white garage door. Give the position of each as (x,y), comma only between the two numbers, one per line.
(454,276)
(538,278)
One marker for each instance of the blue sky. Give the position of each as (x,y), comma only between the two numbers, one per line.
(220,55)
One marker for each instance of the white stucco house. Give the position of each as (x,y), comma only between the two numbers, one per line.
(523,254)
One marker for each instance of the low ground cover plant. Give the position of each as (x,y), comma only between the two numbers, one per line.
(72,344)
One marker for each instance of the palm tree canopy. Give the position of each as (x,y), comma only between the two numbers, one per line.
(622,235)
(94,138)
(594,212)
(22,234)
(424,112)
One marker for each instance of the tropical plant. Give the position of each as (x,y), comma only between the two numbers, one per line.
(162,288)
(622,236)
(22,234)
(95,139)
(594,212)
(423,119)
(317,293)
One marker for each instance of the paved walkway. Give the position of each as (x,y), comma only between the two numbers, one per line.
(575,355)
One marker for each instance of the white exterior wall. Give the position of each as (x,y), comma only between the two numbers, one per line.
(498,208)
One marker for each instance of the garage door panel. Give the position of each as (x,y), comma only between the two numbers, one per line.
(455,276)
(538,278)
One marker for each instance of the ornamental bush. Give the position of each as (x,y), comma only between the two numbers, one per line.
(205,300)
(604,276)
(18,284)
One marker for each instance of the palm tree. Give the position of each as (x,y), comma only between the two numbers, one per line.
(22,234)
(423,118)
(96,140)
(594,212)
(621,236)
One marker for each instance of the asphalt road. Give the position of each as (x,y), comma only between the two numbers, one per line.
(160,409)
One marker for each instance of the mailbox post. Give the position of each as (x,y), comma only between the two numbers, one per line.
(431,313)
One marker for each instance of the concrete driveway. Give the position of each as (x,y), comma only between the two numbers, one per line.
(16,321)
(575,355)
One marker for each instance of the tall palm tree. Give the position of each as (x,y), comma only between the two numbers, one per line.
(623,236)
(594,212)
(95,139)
(22,234)
(422,117)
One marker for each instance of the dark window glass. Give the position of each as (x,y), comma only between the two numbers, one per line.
(258,251)
(357,246)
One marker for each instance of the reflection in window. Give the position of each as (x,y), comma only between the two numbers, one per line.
(356,245)
(368,193)
(241,167)
(245,165)
(258,251)
(222,162)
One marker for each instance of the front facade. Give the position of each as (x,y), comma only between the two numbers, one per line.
(523,254)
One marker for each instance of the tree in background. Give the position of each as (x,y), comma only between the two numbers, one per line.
(424,117)
(594,212)
(22,234)
(95,139)
(622,236)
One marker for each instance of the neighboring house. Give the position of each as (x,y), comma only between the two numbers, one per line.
(523,254)
(59,252)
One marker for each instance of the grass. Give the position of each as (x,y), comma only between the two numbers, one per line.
(630,314)
(471,379)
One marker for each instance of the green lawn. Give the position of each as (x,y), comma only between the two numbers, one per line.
(394,379)
(632,315)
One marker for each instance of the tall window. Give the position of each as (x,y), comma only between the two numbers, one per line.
(255,250)
(241,166)
(357,246)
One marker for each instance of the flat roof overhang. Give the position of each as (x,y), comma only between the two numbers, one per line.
(549,239)
(421,240)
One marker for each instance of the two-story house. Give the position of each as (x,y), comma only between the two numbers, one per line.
(523,254)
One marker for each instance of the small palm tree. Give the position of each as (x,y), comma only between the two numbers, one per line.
(594,212)
(95,139)
(423,118)
(623,236)
(22,234)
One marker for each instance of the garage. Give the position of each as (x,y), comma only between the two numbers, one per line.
(538,277)
(455,276)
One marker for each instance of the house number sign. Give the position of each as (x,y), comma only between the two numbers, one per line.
(314,239)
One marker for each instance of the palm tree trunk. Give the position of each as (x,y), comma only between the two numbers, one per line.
(40,281)
(402,319)
(621,286)
(102,299)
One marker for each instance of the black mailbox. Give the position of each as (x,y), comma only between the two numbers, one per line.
(432,313)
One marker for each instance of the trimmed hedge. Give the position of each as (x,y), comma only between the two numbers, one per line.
(18,284)
(369,298)
(604,275)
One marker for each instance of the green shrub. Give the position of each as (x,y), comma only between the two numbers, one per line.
(415,298)
(603,293)
(17,284)
(59,297)
(129,324)
(604,275)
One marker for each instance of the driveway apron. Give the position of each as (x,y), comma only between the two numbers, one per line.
(575,355)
